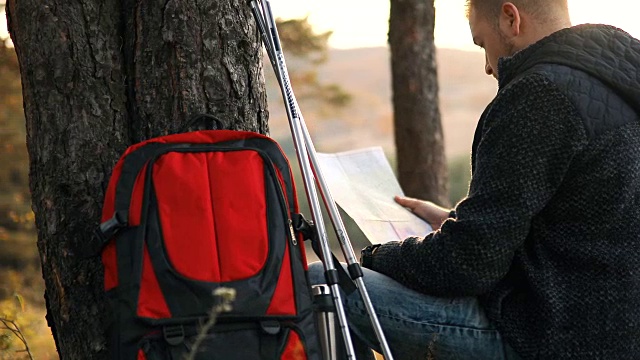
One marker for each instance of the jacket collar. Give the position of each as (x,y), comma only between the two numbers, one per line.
(567,46)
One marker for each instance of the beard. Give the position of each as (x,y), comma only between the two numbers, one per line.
(508,47)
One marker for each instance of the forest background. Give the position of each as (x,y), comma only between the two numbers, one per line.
(345,97)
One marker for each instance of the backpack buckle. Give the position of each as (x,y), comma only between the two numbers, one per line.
(304,226)
(103,233)
(109,228)
(270,327)
(173,335)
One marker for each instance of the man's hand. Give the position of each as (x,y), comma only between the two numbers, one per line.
(428,211)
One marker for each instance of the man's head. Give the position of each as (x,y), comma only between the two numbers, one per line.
(503,27)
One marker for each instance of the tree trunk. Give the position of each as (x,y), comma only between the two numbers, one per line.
(422,167)
(98,76)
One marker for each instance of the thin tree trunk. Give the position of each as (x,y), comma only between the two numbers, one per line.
(422,168)
(98,76)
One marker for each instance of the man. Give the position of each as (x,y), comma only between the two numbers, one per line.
(542,259)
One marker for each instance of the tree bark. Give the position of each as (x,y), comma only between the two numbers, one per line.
(422,167)
(98,76)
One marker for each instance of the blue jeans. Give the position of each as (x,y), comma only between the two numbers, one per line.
(418,326)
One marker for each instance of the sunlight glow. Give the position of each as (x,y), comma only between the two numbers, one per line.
(364,23)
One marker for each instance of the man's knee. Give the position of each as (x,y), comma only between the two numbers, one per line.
(316,273)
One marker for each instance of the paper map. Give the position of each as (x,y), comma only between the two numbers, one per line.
(363,184)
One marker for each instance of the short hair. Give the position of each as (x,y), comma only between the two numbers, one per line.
(542,10)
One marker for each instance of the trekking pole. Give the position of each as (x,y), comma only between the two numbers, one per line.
(271,39)
(353,266)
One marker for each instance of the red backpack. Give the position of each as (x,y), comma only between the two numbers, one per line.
(186,214)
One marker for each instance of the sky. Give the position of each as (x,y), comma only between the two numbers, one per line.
(364,23)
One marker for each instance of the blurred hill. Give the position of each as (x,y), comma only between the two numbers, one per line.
(365,74)
(367,121)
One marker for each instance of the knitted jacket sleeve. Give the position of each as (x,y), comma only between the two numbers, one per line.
(530,135)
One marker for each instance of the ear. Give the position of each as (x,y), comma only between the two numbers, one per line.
(510,20)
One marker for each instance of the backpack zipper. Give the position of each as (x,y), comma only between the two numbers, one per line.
(293,234)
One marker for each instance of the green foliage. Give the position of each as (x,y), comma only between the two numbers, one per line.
(459,177)
(21,288)
(305,51)
(15,211)
(10,95)
(21,300)
(299,39)
(7,342)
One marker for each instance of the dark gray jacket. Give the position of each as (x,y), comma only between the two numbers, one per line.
(549,235)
